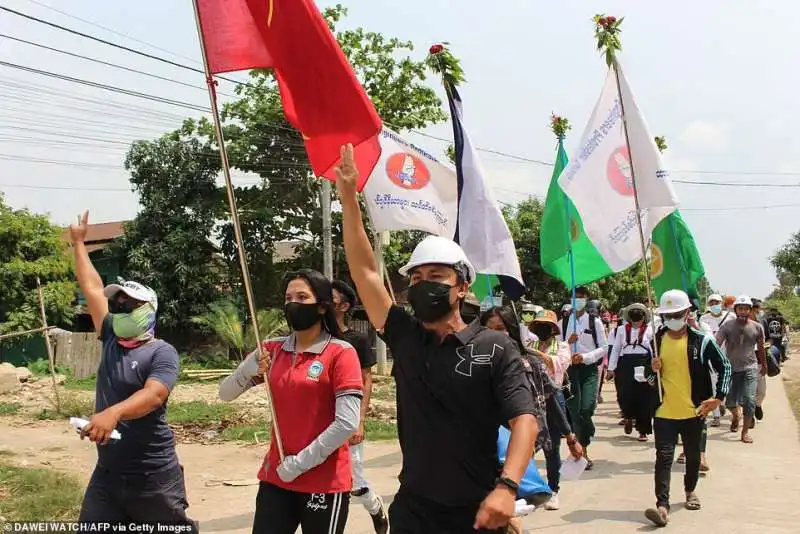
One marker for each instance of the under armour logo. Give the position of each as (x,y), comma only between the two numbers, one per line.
(468,358)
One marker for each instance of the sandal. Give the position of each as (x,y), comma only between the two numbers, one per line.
(658,516)
(747,439)
(642,438)
(692,502)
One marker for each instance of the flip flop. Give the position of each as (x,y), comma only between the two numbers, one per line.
(747,439)
(656,516)
(693,503)
(642,438)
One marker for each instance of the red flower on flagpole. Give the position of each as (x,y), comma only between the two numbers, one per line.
(606,31)
(441,61)
(559,125)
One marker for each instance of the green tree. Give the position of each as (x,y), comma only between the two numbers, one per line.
(223,319)
(167,245)
(31,246)
(786,260)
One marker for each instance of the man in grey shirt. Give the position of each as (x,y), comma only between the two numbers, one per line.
(744,344)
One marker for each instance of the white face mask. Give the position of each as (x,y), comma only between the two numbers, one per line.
(580,304)
(676,324)
(716,309)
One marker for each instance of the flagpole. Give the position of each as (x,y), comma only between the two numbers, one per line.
(645,263)
(226,172)
(571,261)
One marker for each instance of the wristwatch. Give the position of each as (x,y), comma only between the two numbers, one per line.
(509,483)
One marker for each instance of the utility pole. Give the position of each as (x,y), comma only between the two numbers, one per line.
(327,237)
(379,241)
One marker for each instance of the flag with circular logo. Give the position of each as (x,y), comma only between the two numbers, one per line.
(409,189)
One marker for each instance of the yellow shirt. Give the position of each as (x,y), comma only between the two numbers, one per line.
(675,380)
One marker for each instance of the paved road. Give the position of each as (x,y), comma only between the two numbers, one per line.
(751,488)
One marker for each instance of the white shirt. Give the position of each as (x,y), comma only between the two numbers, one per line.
(711,324)
(585,345)
(621,348)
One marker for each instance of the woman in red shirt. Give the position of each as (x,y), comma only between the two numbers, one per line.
(316,387)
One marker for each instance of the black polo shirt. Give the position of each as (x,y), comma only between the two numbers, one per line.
(452,396)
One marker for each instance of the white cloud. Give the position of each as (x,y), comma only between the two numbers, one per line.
(704,136)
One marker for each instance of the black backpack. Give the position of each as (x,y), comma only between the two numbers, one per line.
(592,328)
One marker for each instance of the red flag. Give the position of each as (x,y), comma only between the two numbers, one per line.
(321,95)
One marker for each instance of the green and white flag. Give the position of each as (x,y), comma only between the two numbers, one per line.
(674,260)
(561,230)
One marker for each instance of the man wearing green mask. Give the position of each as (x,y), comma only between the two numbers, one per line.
(138,477)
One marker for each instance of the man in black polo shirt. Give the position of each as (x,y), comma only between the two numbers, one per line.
(456,384)
(137,477)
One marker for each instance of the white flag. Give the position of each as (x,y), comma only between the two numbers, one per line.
(599,180)
(410,189)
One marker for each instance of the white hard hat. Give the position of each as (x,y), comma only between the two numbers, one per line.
(438,250)
(743,300)
(134,290)
(715,297)
(674,301)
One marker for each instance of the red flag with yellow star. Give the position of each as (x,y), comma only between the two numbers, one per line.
(321,95)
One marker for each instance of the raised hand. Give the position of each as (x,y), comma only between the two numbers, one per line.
(346,172)
(77,232)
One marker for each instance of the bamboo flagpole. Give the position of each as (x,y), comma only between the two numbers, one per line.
(48,344)
(642,241)
(226,172)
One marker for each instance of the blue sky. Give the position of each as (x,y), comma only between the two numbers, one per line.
(716,78)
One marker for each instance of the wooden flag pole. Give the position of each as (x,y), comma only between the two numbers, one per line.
(48,344)
(226,172)
(645,263)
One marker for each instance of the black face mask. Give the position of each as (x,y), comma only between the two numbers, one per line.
(542,331)
(430,300)
(301,316)
(636,317)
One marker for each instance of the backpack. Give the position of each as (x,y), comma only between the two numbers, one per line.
(628,329)
(592,328)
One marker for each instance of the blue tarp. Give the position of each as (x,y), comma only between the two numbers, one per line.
(532,482)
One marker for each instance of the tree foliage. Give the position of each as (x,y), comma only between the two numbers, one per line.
(167,245)
(786,260)
(30,247)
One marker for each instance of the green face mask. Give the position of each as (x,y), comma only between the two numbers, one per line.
(135,325)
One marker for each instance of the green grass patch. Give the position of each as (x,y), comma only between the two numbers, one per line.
(245,432)
(376,430)
(42,367)
(81,384)
(72,405)
(38,494)
(199,413)
(384,391)
(9,408)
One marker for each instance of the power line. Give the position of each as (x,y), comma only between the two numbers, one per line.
(106,87)
(115,45)
(109,64)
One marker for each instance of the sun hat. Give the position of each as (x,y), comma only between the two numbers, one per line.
(547,317)
(626,313)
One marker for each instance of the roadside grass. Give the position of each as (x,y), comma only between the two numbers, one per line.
(35,493)
(791,376)
(377,430)
(72,405)
(199,413)
(81,384)
(9,408)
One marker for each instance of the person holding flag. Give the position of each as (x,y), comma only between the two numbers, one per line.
(587,338)
(456,383)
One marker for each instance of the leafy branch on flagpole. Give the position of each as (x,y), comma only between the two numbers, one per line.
(560,125)
(606,31)
(442,62)
(661,143)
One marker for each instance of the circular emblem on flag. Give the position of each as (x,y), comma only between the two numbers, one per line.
(574,230)
(407,171)
(315,369)
(619,171)
(656,261)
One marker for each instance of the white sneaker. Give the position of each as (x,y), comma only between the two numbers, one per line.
(553,503)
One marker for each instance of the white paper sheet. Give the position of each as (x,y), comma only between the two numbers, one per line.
(79,423)
(572,469)
(638,374)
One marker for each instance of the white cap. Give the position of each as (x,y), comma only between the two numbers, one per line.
(717,297)
(674,301)
(743,300)
(134,290)
(438,250)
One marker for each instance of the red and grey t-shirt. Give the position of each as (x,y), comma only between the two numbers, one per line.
(304,390)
